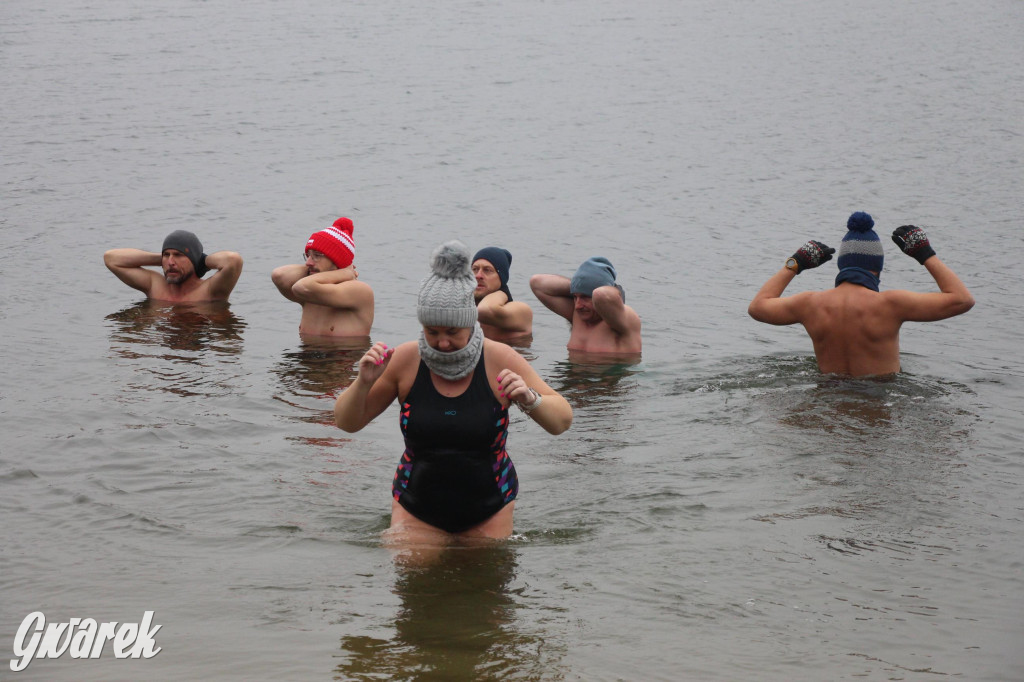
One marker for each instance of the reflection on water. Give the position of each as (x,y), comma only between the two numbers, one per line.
(312,376)
(457,621)
(321,367)
(180,348)
(585,381)
(190,327)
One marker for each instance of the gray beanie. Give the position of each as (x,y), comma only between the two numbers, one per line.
(446,295)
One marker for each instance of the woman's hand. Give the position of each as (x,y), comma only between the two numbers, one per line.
(513,387)
(374,362)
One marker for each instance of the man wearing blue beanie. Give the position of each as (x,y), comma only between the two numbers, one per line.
(855,327)
(595,306)
(501,318)
(183,264)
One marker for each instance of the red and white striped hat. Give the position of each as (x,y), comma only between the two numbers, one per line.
(335,242)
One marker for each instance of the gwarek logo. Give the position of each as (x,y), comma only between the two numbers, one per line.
(82,638)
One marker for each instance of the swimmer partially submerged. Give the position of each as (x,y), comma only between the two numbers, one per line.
(455,387)
(855,327)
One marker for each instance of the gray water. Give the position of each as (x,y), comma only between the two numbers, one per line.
(719,511)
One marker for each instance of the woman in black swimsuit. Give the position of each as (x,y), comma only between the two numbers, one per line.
(455,389)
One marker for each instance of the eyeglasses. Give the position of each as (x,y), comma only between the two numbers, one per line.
(315,255)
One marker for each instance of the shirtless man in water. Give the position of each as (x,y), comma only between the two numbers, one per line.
(594,304)
(501,318)
(855,327)
(184,264)
(334,302)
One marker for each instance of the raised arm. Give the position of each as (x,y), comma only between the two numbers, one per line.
(495,309)
(334,288)
(129,267)
(553,292)
(286,276)
(607,301)
(228,266)
(954,297)
(375,386)
(768,305)
(517,377)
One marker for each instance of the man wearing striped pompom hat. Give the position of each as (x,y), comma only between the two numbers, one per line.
(334,302)
(855,327)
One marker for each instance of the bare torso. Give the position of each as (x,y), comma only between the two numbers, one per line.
(855,331)
(322,320)
(598,337)
(196,291)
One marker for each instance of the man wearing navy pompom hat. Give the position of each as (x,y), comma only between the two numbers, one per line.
(855,327)
(183,263)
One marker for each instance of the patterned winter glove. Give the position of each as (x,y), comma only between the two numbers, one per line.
(914,242)
(811,255)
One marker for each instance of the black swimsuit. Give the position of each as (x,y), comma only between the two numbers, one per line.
(455,472)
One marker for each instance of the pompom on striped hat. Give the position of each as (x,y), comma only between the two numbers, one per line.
(335,242)
(861,247)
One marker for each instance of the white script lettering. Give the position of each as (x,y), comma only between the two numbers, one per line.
(82,638)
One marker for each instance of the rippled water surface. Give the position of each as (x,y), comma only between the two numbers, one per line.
(718,511)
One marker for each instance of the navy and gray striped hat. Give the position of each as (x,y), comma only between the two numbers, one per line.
(861,247)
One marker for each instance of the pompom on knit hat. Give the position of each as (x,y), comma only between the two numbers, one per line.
(446,295)
(861,247)
(335,242)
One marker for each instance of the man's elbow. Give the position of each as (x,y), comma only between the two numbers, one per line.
(606,296)
(279,276)
(232,260)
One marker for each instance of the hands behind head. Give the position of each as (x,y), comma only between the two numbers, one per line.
(201,267)
(812,254)
(914,242)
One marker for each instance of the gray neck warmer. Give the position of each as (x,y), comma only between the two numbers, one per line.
(456,364)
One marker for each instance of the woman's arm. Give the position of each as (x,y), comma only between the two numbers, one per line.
(513,383)
(375,386)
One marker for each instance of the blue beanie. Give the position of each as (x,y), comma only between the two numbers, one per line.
(861,247)
(501,259)
(595,272)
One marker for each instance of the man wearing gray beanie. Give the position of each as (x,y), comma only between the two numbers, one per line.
(595,306)
(855,327)
(183,264)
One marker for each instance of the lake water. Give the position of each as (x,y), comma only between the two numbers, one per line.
(719,511)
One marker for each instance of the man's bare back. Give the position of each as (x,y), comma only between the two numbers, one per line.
(854,329)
